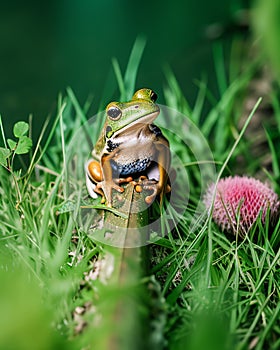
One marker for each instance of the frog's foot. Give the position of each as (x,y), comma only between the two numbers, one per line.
(99,190)
(155,189)
(145,184)
(151,185)
(104,188)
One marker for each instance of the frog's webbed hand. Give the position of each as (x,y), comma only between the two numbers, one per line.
(108,182)
(151,185)
(104,188)
(96,184)
(145,184)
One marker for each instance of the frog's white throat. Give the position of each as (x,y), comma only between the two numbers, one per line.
(143,122)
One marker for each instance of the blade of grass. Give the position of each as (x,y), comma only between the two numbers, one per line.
(276,107)
(208,222)
(3,133)
(80,113)
(133,66)
(225,101)
(64,170)
(220,67)
(249,332)
(173,94)
(275,160)
(199,102)
(127,83)
(118,75)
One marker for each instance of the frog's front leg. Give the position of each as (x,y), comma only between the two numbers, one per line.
(109,182)
(160,187)
(154,187)
(99,180)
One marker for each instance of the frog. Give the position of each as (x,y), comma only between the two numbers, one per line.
(130,148)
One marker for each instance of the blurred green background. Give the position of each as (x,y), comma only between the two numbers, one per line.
(47,46)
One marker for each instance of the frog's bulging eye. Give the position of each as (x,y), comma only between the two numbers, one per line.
(153,96)
(145,94)
(114,113)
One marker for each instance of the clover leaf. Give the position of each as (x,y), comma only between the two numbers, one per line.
(21,145)
(20,129)
(4,154)
(24,145)
(12,144)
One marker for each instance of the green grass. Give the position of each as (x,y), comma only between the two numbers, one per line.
(207,289)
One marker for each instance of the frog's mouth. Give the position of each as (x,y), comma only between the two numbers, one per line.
(145,120)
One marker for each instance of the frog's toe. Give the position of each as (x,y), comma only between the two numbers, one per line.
(117,187)
(99,190)
(138,188)
(154,188)
(149,199)
(168,188)
(123,180)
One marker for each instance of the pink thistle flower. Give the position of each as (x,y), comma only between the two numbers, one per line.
(239,201)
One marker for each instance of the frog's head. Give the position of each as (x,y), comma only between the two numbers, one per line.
(122,116)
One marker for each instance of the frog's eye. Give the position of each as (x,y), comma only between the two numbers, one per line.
(153,96)
(114,113)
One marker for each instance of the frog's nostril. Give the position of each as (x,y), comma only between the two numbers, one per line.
(108,131)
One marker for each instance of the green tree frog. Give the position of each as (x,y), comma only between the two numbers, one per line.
(130,148)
